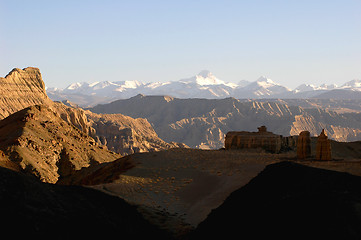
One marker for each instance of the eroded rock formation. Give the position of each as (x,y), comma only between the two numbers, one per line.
(37,141)
(126,135)
(249,140)
(304,145)
(323,147)
(21,88)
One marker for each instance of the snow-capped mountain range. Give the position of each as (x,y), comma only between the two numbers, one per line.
(202,85)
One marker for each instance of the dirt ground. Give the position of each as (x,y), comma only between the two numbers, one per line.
(178,188)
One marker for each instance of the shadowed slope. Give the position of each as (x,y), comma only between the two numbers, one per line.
(30,208)
(289,200)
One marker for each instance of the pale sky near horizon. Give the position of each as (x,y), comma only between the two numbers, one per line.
(291,42)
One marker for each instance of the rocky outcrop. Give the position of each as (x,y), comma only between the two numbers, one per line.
(37,141)
(126,135)
(119,133)
(323,147)
(75,116)
(24,88)
(21,89)
(304,145)
(6,163)
(251,140)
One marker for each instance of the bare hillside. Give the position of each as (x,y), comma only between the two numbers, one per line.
(203,123)
(39,142)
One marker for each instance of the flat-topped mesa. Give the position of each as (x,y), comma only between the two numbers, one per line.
(262,139)
(21,88)
(323,147)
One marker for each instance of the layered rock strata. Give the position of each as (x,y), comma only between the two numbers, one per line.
(262,139)
(126,135)
(37,141)
(21,88)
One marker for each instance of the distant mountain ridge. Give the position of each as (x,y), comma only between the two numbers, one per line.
(203,85)
(203,123)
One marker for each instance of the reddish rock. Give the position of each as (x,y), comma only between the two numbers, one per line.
(304,145)
(248,140)
(323,147)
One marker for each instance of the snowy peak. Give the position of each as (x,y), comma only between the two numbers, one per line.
(311,87)
(305,87)
(101,85)
(327,86)
(265,82)
(206,78)
(132,84)
(211,80)
(76,85)
(353,84)
(123,85)
(262,87)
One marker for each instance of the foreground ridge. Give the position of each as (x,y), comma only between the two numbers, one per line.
(289,200)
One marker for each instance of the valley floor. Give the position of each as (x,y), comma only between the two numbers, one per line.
(178,188)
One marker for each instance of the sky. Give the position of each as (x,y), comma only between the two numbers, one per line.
(290,41)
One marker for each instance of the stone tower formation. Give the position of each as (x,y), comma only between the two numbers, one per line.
(323,147)
(276,143)
(304,145)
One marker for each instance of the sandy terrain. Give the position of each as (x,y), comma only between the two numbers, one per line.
(178,188)
(187,183)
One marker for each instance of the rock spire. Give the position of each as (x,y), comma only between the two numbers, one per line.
(323,147)
(304,145)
